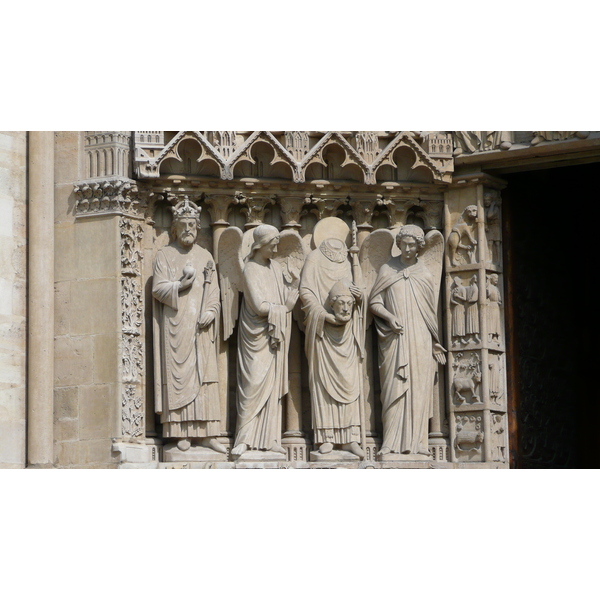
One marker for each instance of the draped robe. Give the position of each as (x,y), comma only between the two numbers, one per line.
(457,299)
(472,312)
(185,358)
(406,362)
(263,344)
(333,354)
(495,323)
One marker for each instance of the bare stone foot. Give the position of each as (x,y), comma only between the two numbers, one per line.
(385,450)
(184,445)
(239,450)
(326,448)
(277,448)
(213,444)
(425,451)
(355,449)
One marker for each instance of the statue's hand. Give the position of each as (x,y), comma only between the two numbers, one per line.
(396,325)
(187,280)
(206,319)
(329,318)
(356,292)
(439,353)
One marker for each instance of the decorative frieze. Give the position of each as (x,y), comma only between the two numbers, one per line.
(228,148)
(132,310)
(107,196)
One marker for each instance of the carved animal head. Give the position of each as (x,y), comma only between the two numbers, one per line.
(469,215)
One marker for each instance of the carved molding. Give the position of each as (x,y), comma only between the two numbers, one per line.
(362,211)
(291,209)
(295,151)
(255,208)
(132,310)
(218,206)
(325,206)
(119,196)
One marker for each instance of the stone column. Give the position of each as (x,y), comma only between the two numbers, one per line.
(218,207)
(293,437)
(477,417)
(40,388)
(363,206)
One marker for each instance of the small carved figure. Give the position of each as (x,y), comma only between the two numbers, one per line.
(463,231)
(498,445)
(458,297)
(494,302)
(460,385)
(333,340)
(472,312)
(492,227)
(186,311)
(467,378)
(404,301)
(494,382)
(469,433)
(269,281)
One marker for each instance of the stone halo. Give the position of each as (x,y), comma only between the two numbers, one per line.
(331,227)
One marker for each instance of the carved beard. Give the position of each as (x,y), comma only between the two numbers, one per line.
(333,254)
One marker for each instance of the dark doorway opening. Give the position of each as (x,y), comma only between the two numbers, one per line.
(550,242)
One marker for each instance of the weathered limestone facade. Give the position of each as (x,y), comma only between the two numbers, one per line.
(13,298)
(88,397)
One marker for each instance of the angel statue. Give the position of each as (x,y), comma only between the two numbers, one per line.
(333,329)
(404,300)
(265,265)
(186,312)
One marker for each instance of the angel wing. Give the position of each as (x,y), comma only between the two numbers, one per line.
(432,257)
(231,267)
(291,254)
(375,251)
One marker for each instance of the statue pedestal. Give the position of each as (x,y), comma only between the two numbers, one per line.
(261,456)
(334,456)
(396,457)
(297,448)
(171,453)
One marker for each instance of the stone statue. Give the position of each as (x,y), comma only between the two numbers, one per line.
(186,311)
(462,237)
(458,297)
(404,301)
(494,302)
(492,226)
(333,339)
(269,283)
(472,312)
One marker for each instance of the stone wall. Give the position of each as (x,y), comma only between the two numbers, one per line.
(13,298)
(86,321)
